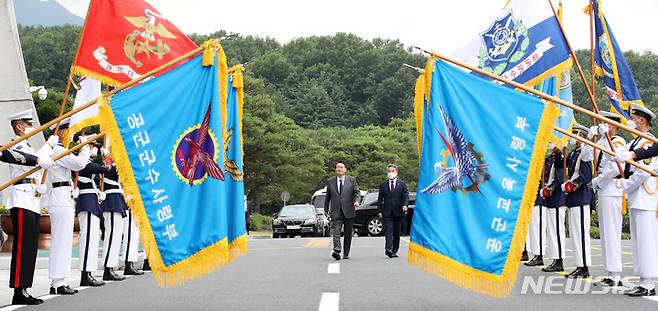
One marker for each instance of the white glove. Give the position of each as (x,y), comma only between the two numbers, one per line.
(595,183)
(82,138)
(53,140)
(563,187)
(41,188)
(75,193)
(604,128)
(624,156)
(593,131)
(45,162)
(631,124)
(101,196)
(85,149)
(105,151)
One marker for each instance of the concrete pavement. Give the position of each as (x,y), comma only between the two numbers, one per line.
(298,274)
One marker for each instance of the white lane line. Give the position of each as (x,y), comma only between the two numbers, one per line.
(11,307)
(654,298)
(333,268)
(329,302)
(46,297)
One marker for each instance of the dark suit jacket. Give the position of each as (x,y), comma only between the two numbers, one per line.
(390,203)
(334,201)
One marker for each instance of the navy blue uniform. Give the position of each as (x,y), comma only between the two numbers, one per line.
(114,200)
(583,194)
(556,199)
(18,157)
(88,202)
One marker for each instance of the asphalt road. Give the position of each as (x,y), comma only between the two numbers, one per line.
(294,274)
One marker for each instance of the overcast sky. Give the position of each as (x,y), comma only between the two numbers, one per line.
(440,25)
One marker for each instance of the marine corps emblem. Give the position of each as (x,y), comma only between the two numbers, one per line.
(144,40)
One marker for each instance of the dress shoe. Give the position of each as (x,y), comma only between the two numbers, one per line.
(110,275)
(535,261)
(524,255)
(640,291)
(556,266)
(63,290)
(146,266)
(394,255)
(580,272)
(21,297)
(131,270)
(389,254)
(607,282)
(87,280)
(335,255)
(346,257)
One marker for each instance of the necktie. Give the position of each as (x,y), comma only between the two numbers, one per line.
(340,186)
(392,185)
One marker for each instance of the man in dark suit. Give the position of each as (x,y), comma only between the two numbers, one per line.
(392,206)
(340,204)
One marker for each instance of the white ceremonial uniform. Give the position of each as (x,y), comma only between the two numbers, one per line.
(642,200)
(536,241)
(130,238)
(609,195)
(62,213)
(23,195)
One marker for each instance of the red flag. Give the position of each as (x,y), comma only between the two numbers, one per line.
(123,39)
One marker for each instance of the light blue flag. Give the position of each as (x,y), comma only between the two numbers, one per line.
(481,158)
(612,66)
(566,119)
(234,164)
(167,142)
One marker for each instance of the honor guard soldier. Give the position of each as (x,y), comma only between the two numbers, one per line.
(114,210)
(609,194)
(24,201)
(578,196)
(640,187)
(10,156)
(60,208)
(87,205)
(555,212)
(537,229)
(130,244)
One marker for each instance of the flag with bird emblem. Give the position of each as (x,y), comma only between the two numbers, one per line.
(168,145)
(482,151)
(123,39)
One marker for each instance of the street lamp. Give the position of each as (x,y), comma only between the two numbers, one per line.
(42,91)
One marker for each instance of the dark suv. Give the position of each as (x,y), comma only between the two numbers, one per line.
(367,222)
(293,220)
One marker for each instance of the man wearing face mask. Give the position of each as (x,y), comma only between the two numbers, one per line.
(392,204)
(555,210)
(609,196)
(642,201)
(578,196)
(340,204)
(24,201)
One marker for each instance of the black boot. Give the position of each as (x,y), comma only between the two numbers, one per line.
(580,272)
(110,275)
(524,255)
(640,291)
(535,261)
(608,282)
(87,280)
(146,266)
(131,270)
(21,297)
(556,266)
(63,290)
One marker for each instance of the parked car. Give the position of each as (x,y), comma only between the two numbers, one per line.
(368,222)
(326,227)
(293,220)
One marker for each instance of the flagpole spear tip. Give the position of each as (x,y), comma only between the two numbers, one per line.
(419,70)
(229,36)
(422,50)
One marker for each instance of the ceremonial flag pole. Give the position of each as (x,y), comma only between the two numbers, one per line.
(57,157)
(542,95)
(593,67)
(607,151)
(595,107)
(108,94)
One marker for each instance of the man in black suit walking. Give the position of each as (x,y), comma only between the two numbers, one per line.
(392,206)
(340,204)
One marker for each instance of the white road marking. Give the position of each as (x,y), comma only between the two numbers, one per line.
(329,302)
(333,268)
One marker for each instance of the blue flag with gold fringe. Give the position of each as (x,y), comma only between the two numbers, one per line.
(482,152)
(167,141)
(612,66)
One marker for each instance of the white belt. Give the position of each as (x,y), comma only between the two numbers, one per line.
(114,191)
(111,182)
(89,191)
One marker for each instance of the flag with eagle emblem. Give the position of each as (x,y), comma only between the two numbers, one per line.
(482,151)
(168,145)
